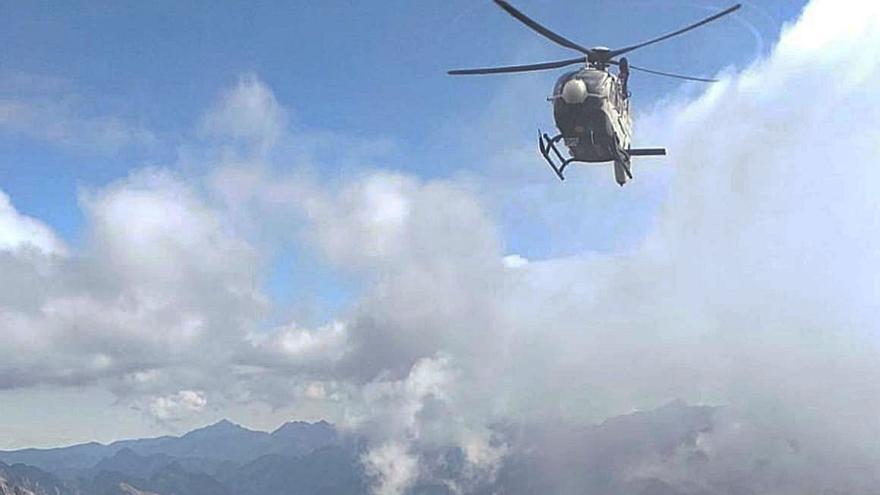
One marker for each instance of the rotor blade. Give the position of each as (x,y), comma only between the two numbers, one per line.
(621,51)
(510,9)
(517,68)
(669,74)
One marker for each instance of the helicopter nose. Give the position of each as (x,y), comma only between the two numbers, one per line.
(574,91)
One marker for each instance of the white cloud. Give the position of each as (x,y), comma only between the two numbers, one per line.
(393,467)
(186,237)
(18,231)
(294,347)
(160,283)
(178,406)
(366,222)
(248,114)
(391,413)
(514,261)
(47,109)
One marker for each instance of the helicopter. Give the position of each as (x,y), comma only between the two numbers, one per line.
(591,106)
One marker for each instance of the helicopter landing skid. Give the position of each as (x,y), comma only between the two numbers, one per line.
(546,144)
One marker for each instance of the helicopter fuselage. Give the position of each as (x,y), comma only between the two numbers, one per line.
(591,105)
(591,110)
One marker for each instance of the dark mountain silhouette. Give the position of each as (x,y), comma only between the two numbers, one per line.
(299,438)
(222,441)
(58,460)
(329,470)
(625,455)
(211,446)
(171,480)
(130,463)
(20,479)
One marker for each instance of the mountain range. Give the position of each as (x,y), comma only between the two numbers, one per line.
(223,458)
(643,453)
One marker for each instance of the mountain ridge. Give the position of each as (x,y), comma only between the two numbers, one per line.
(187,464)
(219,441)
(630,454)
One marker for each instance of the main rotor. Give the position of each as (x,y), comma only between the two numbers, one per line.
(599,57)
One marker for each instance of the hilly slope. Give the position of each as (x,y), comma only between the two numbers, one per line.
(20,479)
(211,446)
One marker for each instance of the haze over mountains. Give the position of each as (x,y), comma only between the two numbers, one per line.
(222,458)
(673,450)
